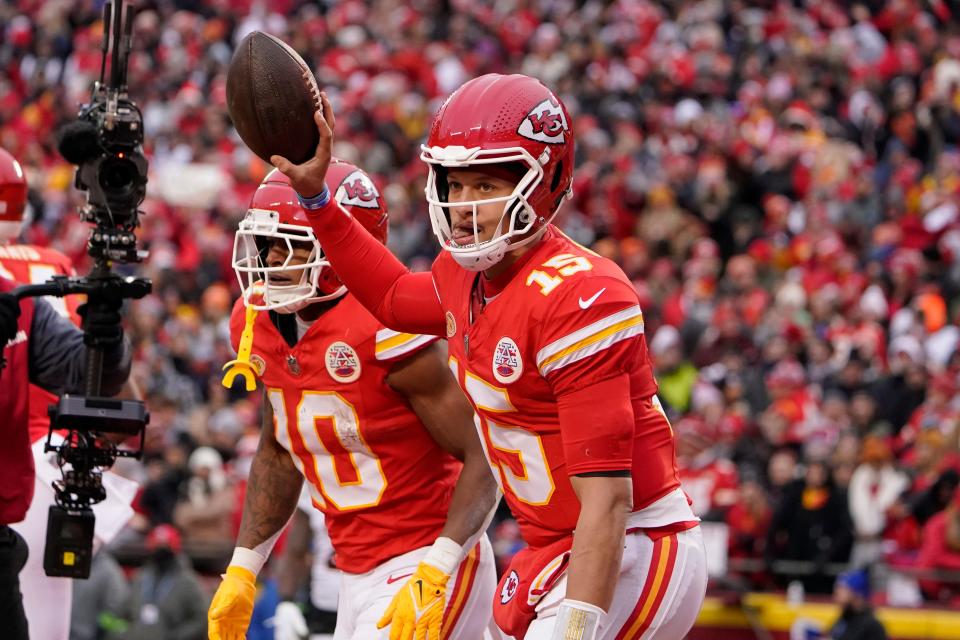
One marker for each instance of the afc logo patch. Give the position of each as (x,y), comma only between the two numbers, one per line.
(507,363)
(545,123)
(357,190)
(510,586)
(343,365)
(451,324)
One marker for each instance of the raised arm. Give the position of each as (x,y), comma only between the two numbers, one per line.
(401,300)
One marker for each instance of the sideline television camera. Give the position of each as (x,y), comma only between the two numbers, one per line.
(105,142)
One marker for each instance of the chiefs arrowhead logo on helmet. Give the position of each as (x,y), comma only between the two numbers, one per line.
(358,190)
(545,123)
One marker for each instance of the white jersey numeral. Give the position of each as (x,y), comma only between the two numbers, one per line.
(521,463)
(566,264)
(349,474)
(38,274)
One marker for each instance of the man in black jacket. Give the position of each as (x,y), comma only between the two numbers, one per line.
(40,347)
(857,620)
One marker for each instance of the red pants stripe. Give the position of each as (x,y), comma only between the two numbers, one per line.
(662,563)
(461,589)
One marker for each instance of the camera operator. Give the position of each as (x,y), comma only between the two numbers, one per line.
(45,349)
(32,264)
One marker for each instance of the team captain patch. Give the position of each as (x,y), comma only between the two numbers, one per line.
(343,365)
(507,364)
(259,364)
(451,325)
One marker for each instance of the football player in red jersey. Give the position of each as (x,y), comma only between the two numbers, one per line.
(546,339)
(374,422)
(29,264)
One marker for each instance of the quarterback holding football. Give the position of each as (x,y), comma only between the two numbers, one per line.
(546,339)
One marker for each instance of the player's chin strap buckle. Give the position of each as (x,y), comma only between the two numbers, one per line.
(242,366)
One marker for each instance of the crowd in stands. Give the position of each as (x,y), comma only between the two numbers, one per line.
(781,180)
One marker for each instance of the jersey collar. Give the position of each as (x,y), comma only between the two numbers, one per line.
(491,288)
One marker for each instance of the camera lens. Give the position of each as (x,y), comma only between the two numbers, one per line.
(117,176)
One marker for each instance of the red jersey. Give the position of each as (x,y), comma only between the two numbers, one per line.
(27,264)
(382,482)
(16,461)
(566,319)
(712,486)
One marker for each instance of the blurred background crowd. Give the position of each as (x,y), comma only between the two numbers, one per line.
(780,179)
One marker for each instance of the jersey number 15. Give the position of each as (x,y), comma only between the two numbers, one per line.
(518,460)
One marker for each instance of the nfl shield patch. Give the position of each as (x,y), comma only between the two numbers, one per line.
(343,365)
(507,364)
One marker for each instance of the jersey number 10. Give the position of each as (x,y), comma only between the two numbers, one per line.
(329,450)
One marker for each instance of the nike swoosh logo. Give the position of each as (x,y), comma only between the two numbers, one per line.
(584,304)
(392,579)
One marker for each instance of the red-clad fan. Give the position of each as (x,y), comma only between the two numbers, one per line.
(370,417)
(546,339)
(706,476)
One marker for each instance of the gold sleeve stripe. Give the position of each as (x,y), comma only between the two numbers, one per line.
(591,339)
(387,338)
(391,344)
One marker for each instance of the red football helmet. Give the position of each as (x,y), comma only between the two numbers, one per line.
(508,121)
(275,214)
(13,197)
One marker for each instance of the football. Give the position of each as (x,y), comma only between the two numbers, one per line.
(272,96)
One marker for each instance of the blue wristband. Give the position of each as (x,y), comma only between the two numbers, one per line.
(318,201)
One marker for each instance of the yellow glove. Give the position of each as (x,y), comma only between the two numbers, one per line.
(418,607)
(232,606)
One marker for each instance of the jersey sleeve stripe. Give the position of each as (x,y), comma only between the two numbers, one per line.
(386,334)
(401,344)
(594,345)
(590,339)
